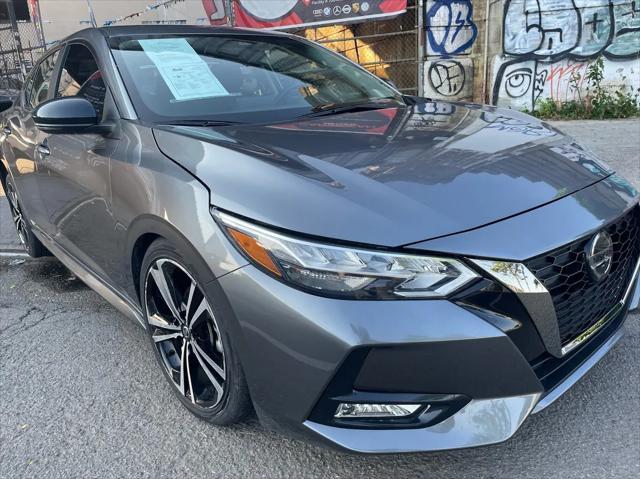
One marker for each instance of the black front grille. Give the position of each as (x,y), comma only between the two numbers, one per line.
(579,300)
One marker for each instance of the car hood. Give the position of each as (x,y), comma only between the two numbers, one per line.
(389,177)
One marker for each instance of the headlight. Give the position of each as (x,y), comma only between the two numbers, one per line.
(345,272)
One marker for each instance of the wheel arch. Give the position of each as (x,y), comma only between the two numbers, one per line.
(143,232)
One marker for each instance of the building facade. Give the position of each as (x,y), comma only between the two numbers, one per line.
(510,53)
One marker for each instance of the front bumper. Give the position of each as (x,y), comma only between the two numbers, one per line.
(480,354)
(296,347)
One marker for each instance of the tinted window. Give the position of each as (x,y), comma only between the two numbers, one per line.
(81,77)
(237,77)
(37,88)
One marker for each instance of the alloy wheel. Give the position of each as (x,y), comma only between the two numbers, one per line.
(16,213)
(185,334)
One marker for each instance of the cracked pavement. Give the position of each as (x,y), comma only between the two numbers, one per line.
(82,396)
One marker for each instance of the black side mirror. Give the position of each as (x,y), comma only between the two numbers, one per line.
(6,102)
(67,115)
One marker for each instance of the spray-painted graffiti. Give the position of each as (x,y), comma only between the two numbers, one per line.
(450,27)
(579,29)
(548,45)
(626,37)
(523,82)
(451,33)
(449,78)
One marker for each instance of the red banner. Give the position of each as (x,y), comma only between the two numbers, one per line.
(34,11)
(299,13)
(215,11)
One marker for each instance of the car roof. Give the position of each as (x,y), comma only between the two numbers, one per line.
(127,30)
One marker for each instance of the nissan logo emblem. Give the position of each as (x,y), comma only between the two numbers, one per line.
(599,251)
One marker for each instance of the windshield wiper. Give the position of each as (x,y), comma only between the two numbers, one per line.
(202,123)
(333,108)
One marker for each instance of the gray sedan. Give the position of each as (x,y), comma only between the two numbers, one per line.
(365,269)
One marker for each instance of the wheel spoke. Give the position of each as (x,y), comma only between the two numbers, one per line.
(163,337)
(209,374)
(163,287)
(16,214)
(199,351)
(192,289)
(160,322)
(182,366)
(202,307)
(193,393)
(13,200)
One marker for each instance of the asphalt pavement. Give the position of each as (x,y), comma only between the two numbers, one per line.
(81,395)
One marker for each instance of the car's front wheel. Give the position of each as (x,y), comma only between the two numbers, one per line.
(189,341)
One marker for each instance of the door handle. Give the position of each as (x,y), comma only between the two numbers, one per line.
(43,150)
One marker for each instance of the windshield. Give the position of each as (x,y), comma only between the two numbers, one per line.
(248,78)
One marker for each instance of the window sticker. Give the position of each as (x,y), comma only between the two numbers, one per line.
(186,74)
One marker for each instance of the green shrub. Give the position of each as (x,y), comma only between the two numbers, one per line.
(599,103)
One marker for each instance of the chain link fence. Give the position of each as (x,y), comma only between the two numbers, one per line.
(387,48)
(21,44)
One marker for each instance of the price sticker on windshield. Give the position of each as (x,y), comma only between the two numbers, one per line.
(187,76)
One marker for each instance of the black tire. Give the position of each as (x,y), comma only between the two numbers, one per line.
(32,245)
(203,332)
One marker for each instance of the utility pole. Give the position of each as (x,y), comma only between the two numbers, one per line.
(92,17)
(39,26)
(230,13)
(421,46)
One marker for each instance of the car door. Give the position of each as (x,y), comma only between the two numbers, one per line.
(77,188)
(22,138)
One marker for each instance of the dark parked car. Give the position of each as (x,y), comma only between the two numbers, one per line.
(378,272)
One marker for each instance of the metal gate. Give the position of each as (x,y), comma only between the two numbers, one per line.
(21,43)
(389,49)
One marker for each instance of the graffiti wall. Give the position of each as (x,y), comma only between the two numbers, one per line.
(547,46)
(450,35)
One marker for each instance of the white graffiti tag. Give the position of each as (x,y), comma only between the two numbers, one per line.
(576,28)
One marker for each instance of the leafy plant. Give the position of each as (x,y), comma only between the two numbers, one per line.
(599,102)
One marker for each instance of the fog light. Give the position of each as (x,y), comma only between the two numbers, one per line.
(355,410)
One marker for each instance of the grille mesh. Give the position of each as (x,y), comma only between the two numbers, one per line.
(579,300)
